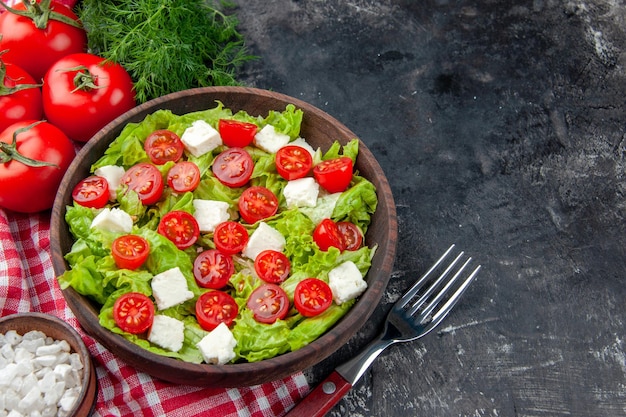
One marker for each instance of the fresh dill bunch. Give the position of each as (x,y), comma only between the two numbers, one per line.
(166,45)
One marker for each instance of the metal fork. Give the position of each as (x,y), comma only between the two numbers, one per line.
(414,315)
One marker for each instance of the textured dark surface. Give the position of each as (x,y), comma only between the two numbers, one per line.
(500,126)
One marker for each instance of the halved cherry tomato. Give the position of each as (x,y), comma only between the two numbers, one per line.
(312,297)
(183,177)
(268,303)
(351,235)
(293,162)
(230,237)
(215,307)
(180,227)
(163,146)
(334,175)
(212,269)
(145,179)
(272,266)
(133,312)
(235,133)
(327,234)
(257,203)
(92,192)
(130,251)
(233,167)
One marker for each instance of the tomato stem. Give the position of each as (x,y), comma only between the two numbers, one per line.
(6,91)
(9,152)
(83,79)
(41,13)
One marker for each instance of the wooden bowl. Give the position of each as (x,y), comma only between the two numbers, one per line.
(319,129)
(59,330)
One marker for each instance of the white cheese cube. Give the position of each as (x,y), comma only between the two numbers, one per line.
(301,192)
(169,288)
(113,174)
(210,213)
(263,238)
(200,138)
(303,144)
(113,220)
(346,282)
(270,140)
(167,332)
(217,347)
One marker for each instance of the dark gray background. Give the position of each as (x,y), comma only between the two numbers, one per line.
(500,126)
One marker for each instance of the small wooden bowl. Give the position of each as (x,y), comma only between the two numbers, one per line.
(319,129)
(59,330)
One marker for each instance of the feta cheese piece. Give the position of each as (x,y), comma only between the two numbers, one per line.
(301,192)
(200,138)
(301,142)
(167,332)
(210,213)
(263,238)
(217,347)
(113,174)
(270,140)
(113,220)
(169,288)
(346,282)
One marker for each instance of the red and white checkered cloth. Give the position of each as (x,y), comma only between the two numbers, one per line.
(27,283)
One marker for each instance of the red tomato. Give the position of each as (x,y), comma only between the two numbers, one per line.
(312,297)
(272,266)
(20,96)
(257,203)
(213,269)
(293,162)
(327,234)
(34,156)
(130,251)
(180,227)
(268,303)
(235,133)
(233,167)
(92,191)
(146,180)
(163,146)
(183,177)
(83,92)
(215,307)
(351,235)
(334,175)
(230,237)
(35,47)
(133,312)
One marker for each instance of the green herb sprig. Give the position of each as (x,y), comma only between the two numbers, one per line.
(166,45)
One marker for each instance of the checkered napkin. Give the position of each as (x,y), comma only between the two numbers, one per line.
(27,283)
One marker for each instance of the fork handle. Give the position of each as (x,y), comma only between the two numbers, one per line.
(322,399)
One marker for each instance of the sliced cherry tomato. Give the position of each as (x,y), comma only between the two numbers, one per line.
(233,167)
(230,237)
(235,133)
(180,227)
(327,234)
(133,312)
(257,203)
(351,235)
(183,177)
(92,192)
(312,297)
(272,266)
(268,303)
(163,146)
(212,269)
(293,162)
(130,251)
(215,307)
(334,175)
(145,179)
